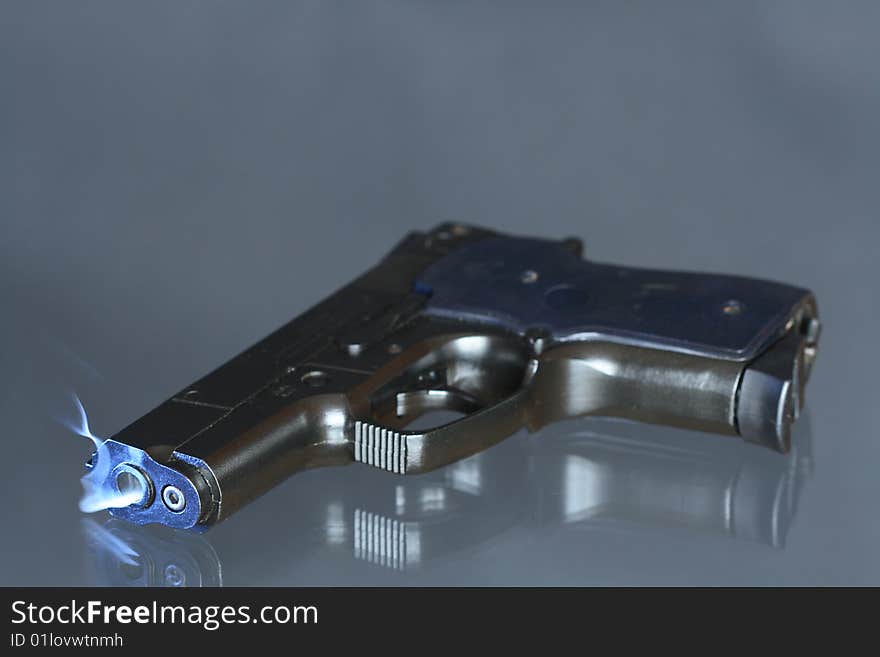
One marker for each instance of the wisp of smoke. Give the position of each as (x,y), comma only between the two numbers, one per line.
(98,492)
(80,425)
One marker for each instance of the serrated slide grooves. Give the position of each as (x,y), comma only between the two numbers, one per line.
(380,447)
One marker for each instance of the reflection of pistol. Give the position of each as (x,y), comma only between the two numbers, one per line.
(651,482)
(509,332)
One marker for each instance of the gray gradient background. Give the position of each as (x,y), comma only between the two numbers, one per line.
(177,179)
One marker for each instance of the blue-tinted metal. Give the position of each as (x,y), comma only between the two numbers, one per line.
(524,284)
(159,476)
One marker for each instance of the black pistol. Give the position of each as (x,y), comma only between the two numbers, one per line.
(509,332)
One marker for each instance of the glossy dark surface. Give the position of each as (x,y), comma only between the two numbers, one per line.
(491,282)
(177,183)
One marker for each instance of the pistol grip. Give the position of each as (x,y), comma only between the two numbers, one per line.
(725,354)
